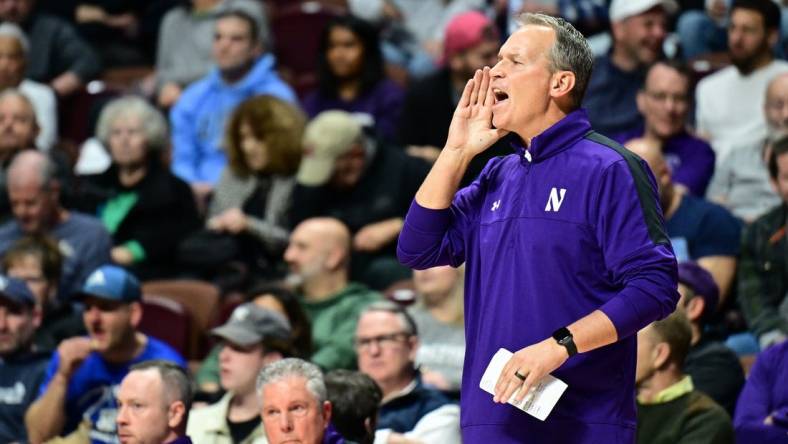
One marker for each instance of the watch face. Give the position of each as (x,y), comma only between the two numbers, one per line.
(565,340)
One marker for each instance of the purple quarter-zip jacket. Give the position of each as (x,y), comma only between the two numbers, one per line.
(547,241)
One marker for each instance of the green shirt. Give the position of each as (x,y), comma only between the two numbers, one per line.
(689,418)
(334,325)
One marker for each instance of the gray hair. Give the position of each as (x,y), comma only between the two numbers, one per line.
(570,52)
(153,122)
(408,324)
(294,367)
(174,380)
(13,30)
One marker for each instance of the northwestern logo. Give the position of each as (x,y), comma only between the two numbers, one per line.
(97,279)
(555,200)
(496,205)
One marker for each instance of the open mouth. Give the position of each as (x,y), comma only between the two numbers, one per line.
(500,95)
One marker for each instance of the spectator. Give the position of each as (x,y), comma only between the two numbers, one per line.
(426,20)
(275,299)
(664,102)
(439,317)
(366,184)
(471,42)
(354,399)
(14,51)
(351,77)
(198,119)
(58,56)
(741,183)
(38,261)
(638,30)
(251,202)
(153,404)
(698,229)
(319,260)
(83,374)
(669,407)
(123,33)
(714,368)
(183,53)
(22,366)
(253,338)
(730,102)
(386,343)
(18,129)
(762,279)
(587,16)
(703,31)
(35,198)
(294,382)
(762,411)
(145,208)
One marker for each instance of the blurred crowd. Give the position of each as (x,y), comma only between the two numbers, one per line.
(200,202)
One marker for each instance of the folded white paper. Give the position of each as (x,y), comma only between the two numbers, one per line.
(539,401)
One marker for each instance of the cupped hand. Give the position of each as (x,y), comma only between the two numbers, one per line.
(471,130)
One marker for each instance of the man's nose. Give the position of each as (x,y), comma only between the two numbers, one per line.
(285,422)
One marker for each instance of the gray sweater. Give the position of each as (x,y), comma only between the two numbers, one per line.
(232,191)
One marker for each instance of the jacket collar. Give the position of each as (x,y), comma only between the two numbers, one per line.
(563,134)
(261,69)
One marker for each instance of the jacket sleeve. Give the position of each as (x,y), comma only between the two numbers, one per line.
(186,154)
(635,247)
(74,54)
(430,238)
(755,401)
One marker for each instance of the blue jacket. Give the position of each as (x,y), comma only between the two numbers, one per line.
(546,242)
(198,118)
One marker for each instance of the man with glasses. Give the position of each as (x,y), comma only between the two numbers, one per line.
(664,102)
(386,343)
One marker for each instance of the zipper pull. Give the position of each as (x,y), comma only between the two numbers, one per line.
(527,155)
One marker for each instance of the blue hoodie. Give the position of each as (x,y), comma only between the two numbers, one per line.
(198,118)
(545,242)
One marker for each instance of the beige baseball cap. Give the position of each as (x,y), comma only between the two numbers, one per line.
(328,136)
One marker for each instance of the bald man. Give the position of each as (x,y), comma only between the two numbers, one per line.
(741,182)
(698,229)
(34,192)
(318,255)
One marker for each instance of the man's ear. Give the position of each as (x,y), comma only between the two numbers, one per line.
(176,415)
(135,310)
(327,412)
(695,308)
(640,99)
(773,36)
(660,354)
(563,82)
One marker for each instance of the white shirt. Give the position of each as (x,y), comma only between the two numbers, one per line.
(730,107)
(45,107)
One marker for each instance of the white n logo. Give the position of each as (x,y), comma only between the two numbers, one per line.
(555,200)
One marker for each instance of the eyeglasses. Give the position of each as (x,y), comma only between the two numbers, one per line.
(380,340)
(663,97)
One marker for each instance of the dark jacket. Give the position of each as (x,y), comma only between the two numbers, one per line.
(21,375)
(55,47)
(163,214)
(763,273)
